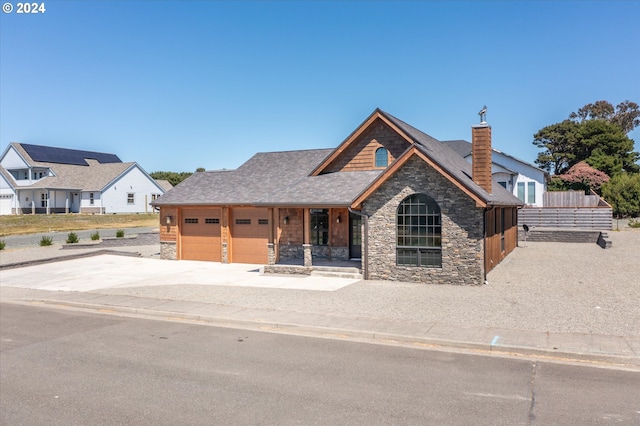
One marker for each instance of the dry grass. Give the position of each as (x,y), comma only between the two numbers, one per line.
(30,224)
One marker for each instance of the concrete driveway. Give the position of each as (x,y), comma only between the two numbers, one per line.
(112,271)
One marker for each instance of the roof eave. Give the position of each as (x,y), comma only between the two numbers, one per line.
(400,161)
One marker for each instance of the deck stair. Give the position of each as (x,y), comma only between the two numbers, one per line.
(604,241)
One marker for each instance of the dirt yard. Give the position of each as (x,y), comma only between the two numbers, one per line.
(39,223)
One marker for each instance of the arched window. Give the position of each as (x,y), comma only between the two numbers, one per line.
(419,232)
(382,157)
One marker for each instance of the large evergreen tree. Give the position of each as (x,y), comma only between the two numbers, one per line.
(626,114)
(597,134)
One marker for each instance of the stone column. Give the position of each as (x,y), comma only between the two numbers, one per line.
(168,250)
(307,255)
(271,256)
(225,253)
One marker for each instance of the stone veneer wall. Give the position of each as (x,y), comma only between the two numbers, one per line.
(462,229)
(339,253)
(168,250)
(290,251)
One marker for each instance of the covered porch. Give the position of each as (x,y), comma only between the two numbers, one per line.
(315,240)
(47,200)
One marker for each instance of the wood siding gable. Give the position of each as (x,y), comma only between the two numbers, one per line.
(357,152)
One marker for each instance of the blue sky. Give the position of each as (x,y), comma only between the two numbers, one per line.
(176,85)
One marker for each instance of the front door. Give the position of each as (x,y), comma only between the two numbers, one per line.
(75,202)
(355,236)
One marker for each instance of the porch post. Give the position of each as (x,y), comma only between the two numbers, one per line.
(33,202)
(224,235)
(47,202)
(66,203)
(271,252)
(308,258)
(306,246)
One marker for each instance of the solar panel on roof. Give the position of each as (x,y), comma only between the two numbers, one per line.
(48,154)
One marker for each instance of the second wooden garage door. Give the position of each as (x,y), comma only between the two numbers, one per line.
(249,235)
(200,234)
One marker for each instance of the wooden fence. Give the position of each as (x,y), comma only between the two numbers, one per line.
(600,218)
(570,199)
(568,209)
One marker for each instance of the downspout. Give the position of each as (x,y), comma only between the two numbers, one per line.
(365,241)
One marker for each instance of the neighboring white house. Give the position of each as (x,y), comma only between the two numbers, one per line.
(524,180)
(7,193)
(43,179)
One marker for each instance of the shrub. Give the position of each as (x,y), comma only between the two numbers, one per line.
(46,241)
(120,233)
(72,238)
(623,193)
(2,244)
(580,177)
(634,223)
(95,236)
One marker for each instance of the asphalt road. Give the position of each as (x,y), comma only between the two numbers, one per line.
(60,367)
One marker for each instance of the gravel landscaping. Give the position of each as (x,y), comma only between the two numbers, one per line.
(555,287)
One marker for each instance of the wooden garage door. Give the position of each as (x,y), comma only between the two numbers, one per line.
(200,234)
(249,235)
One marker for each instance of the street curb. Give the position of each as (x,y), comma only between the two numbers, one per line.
(67,257)
(625,362)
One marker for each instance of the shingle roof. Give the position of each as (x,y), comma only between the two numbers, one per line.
(283,178)
(94,176)
(82,178)
(263,175)
(328,190)
(460,146)
(4,172)
(463,148)
(164,184)
(454,164)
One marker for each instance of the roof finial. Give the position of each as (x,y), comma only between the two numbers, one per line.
(483,115)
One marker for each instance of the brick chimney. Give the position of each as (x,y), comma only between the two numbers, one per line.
(481,155)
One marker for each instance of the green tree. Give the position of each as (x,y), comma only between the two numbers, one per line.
(595,134)
(174,178)
(200,169)
(626,115)
(605,147)
(623,193)
(558,141)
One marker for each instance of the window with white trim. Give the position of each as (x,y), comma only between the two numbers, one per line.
(531,192)
(131,198)
(521,191)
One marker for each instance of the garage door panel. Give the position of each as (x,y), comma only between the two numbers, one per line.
(201,234)
(250,235)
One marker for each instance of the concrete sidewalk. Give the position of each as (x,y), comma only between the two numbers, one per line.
(588,314)
(611,351)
